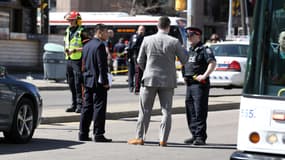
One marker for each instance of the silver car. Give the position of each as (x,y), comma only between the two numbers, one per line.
(20,108)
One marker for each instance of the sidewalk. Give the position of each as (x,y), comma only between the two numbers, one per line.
(38,80)
(121,110)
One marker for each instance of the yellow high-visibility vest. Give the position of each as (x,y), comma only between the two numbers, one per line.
(74,43)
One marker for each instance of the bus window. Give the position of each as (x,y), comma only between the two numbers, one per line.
(175,32)
(123,26)
(276,73)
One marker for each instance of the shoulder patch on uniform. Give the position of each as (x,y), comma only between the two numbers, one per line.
(208,50)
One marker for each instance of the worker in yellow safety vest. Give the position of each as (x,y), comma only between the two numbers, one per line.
(75,38)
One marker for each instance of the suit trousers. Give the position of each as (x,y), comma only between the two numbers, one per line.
(95,103)
(147,97)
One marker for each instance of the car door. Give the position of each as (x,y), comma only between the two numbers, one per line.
(6,101)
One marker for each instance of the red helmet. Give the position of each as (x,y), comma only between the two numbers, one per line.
(73,15)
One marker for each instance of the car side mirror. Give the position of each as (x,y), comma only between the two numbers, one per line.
(3,71)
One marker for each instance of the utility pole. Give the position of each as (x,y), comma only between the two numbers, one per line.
(243,17)
(189,12)
(230,18)
(44,16)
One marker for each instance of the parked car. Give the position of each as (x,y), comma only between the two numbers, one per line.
(231,59)
(20,108)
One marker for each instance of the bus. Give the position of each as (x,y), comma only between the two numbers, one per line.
(261,128)
(123,25)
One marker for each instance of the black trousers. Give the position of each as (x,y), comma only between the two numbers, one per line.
(131,73)
(138,78)
(196,102)
(74,79)
(94,107)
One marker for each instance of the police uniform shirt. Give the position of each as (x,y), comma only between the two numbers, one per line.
(199,58)
(135,43)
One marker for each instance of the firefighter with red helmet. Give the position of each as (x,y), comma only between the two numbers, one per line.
(75,38)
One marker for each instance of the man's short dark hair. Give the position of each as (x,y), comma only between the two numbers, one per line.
(100,27)
(163,22)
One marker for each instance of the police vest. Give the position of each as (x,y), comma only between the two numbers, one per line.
(73,42)
(197,62)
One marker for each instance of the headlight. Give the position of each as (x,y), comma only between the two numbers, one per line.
(272,138)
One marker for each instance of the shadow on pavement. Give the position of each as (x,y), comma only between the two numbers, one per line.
(36,144)
(207,146)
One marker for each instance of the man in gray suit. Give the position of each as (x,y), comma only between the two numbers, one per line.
(157,59)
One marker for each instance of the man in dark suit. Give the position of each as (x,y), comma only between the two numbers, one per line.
(96,85)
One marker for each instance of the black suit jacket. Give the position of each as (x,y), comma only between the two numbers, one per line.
(95,65)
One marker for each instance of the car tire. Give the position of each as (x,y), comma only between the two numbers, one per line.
(23,125)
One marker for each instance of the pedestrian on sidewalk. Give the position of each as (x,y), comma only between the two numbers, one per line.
(196,73)
(134,71)
(109,49)
(74,39)
(96,85)
(120,58)
(157,59)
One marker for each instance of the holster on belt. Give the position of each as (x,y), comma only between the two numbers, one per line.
(189,80)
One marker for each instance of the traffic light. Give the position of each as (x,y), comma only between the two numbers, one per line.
(43,5)
(235,7)
(180,5)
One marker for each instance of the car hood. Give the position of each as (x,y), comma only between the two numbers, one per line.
(20,84)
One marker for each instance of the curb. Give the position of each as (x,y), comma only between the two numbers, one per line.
(131,114)
(53,88)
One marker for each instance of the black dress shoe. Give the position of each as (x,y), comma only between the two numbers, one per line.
(78,110)
(199,142)
(85,139)
(70,109)
(102,138)
(189,141)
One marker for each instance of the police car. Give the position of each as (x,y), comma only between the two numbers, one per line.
(231,59)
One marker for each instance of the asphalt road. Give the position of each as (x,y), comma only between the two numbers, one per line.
(62,98)
(59,141)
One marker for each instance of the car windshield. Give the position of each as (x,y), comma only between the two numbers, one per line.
(230,50)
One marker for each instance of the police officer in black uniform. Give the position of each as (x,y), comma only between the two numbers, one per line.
(196,73)
(134,71)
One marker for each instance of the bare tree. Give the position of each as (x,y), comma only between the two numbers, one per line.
(153,7)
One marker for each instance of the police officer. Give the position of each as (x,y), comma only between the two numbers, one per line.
(74,39)
(196,73)
(134,71)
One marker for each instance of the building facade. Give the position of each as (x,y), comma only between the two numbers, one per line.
(19,41)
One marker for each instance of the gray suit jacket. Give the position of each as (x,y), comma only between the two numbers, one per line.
(157,57)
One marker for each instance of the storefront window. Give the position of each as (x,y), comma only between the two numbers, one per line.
(4,24)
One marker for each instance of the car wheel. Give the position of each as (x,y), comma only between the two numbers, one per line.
(23,125)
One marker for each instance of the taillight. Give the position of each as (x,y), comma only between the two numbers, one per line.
(233,66)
